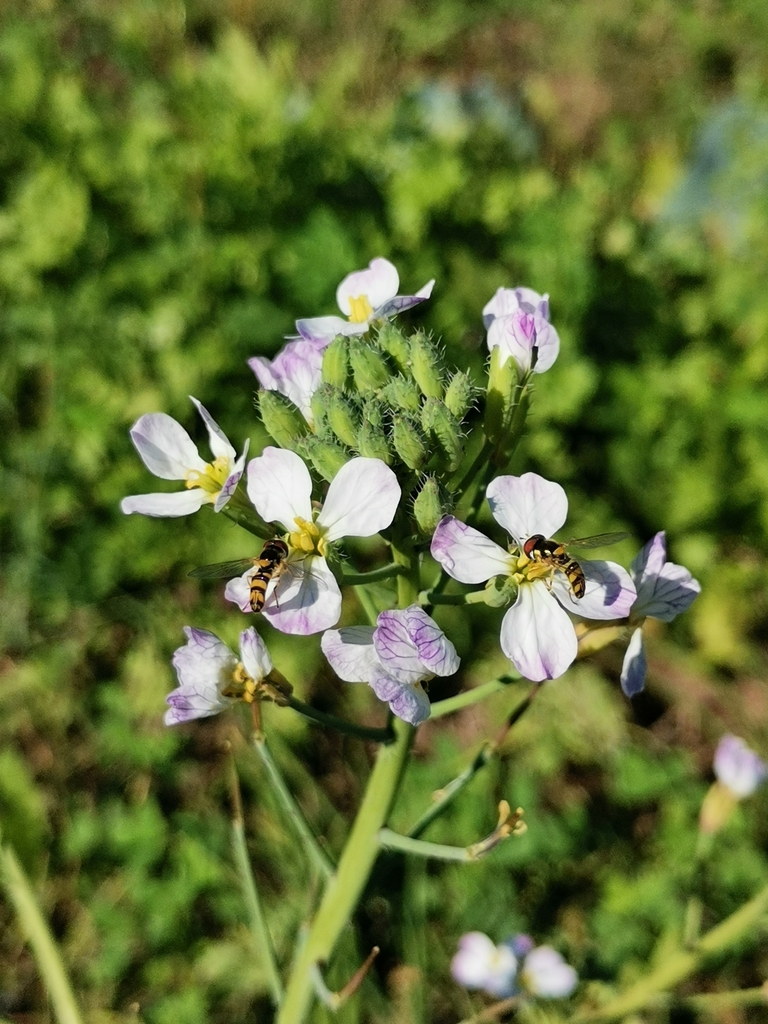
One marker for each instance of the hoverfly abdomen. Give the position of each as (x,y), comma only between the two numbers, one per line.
(552,553)
(576,578)
(268,566)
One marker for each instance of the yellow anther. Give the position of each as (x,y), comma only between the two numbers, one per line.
(307,538)
(212,479)
(360,309)
(242,686)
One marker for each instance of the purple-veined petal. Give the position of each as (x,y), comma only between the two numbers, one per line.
(280,487)
(738,767)
(480,964)
(514,336)
(178,503)
(634,667)
(468,555)
(411,645)
(217,439)
(610,591)
(296,371)
(307,600)
(436,651)
(536,634)
(411,704)
(350,653)
(230,484)
(204,666)
(402,302)
(362,500)
(508,300)
(526,505)
(254,654)
(664,589)
(238,591)
(166,449)
(546,974)
(377,283)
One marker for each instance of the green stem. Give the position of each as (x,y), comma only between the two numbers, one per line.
(245,516)
(359,579)
(390,840)
(38,934)
(363,732)
(315,852)
(464,700)
(368,605)
(345,887)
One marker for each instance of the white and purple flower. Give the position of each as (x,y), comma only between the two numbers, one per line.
(167,450)
(211,677)
(406,649)
(517,321)
(296,372)
(481,964)
(363,296)
(362,500)
(664,591)
(545,973)
(537,634)
(738,767)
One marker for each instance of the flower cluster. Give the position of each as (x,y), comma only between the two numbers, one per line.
(514,966)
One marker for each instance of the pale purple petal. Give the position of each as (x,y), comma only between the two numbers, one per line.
(526,505)
(468,555)
(546,974)
(649,561)
(178,503)
(166,449)
(610,592)
(514,336)
(254,654)
(218,441)
(323,329)
(411,645)
(508,300)
(664,589)
(436,651)
(480,964)
(634,667)
(547,345)
(204,667)
(378,283)
(296,372)
(306,600)
(408,702)
(280,487)
(738,767)
(350,653)
(230,484)
(238,591)
(537,635)
(402,302)
(362,500)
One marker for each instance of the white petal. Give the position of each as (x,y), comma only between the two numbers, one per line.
(377,283)
(536,634)
(547,345)
(350,653)
(546,974)
(216,436)
(411,646)
(411,704)
(610,591)
(526,505)
(738,767)
(308,601)
(254,654)
(166,449)
(280,487)
(649,561)
(203,666)
(178,503)
(436,651)
(468,555)
(296,372)
(362,500)
(400,303)
(230,484)
(321,328)
(634,667)
(238,591)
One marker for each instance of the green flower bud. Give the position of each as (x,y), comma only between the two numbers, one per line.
(343,418)
(409,443)
(401,394)
(373,444)
(282,420)
(427,365)
(502,381)
(320,403)
(369,370)
(393,342)
(325,456)
(428,506)
(436,419)
(458,395)
(336,362)
(373,413)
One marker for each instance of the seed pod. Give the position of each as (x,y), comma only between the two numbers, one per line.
(458,394)
(436,419)
(409,443)
(426,365)
(325,456)
(373,444)
(393,342)
(369,370)
(282,420)
(343,418)
(336,362)
(428,506)
(401,394)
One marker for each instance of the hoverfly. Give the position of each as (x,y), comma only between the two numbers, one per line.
(270,565)
(554,554)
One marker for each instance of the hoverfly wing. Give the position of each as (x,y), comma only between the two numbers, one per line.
(220,570)
(600,540)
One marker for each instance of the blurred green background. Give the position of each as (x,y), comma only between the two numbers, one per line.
(179,182)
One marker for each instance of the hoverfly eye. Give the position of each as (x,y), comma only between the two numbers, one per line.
(530,544)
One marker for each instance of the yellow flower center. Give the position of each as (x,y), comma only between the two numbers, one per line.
(213,479)
(308,540)
(242,686)
(525,569)
(360,309)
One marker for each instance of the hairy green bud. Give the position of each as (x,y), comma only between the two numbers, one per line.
(502,382)
(325,456)
(392,341)
(373,413)
(372,442)
(402,394)
(458,394)
(409,443)
(282,420)
(336,362)
(436,419)
(319,404)
(428,506)
(427,365)
(369,370)
(343,418)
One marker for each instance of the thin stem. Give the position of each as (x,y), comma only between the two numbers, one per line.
(359,579)
(363,732)
(464,700)
(247,518)
(390,840)
(258,921)
(38,934)
(317,855)
(368,606)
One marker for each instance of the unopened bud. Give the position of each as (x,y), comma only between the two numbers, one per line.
(458,394)
(320,403)
(343,419)
(325,456)
(336,362)
(427,365)
(393,342)
(401,394)
(369,370)
(436,419)
(502,382)
(373,444)
(409,443)
(373,413)
(428,506)
(282,420)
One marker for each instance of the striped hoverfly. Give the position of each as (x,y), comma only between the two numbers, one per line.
(554,553)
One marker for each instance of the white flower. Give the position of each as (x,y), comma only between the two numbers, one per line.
(738,767)
(545,973)
(363,296)
(406,649)
(537,634)
(296,372)
(167,450)
(481,964)
(517,321)
(362,500)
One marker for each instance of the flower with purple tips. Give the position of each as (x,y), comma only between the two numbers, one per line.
(481,964)
(296,372)
(738,767)
(517,321)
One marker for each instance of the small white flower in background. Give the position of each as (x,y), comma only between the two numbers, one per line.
(544,973)
(363,296)
(664,591)
(211,678)
(167,450)
(537,634)
(738,767)
(296,372)
(517,321)
(362,500)
(405,649)
(481,964)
